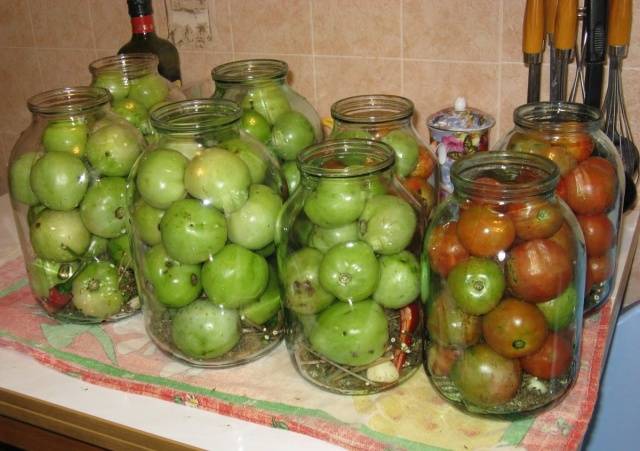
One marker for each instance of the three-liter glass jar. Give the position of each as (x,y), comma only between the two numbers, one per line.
(348,250)
(68,182)
(506,261)
(272,112)
(591,179)
(135,86)
(203,202)
(388,118)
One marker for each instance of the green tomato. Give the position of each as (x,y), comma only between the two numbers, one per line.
(351,133)
(291,175)
(235,276)
(256,125)
(97,247)
(174,284)
(220,178)
(103,209)
(133,112)
(59,236)
(60,180)
(269,101)
(160,179)
(65,136)
(203,330)
(406,149)
(113,149)
(266,251)
(254,224)
(291,133)
(19,183)
(96,290)
(45,274)
(350,271)
(120,251)
(335,203)
(351,334)
(115,83)
(268,305)
(323,239)
(303,292)
(149,90)
(186,146)
(399,283)
(146,222)
(560,311)
(477,285)
(387,224)
(192,232)
(33,212)
(251,156)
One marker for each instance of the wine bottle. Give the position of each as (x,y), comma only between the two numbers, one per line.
(145,40)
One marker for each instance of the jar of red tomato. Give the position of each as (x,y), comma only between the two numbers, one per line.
(506,272)
(591,179)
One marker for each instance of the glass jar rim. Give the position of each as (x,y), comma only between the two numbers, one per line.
(379,156)
(371,109)
(195,115)
(558,116)
(250,71)
(69,100)
(466,172)
(129,65)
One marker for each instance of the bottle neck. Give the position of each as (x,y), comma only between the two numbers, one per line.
(142,25)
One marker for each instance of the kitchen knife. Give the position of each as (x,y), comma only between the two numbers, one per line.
(533,45)
(550,10)
(595,27)
(564,36)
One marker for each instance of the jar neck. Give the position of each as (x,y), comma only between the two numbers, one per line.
(128,66)
(502,177)
(373,110)
(193,118)
(250,72)
(78,101)
(558,117)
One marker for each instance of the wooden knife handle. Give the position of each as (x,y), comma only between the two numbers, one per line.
(533,27)
(550,8)
(619,22)
(566,29)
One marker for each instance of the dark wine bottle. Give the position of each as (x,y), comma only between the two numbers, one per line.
(145,40)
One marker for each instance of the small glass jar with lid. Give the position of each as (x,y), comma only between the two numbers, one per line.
(68,182)
(135,86)
(506,261)
(591,179)
(349,262)
(273,112)
(388,118)
(203,202)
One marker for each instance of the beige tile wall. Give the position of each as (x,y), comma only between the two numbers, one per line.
(428,50)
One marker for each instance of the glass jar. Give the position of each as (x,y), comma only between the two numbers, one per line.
(273,112)
(204,201)
(349,264)
(68,180)
(135,86)
(591,179)
(388,118)
(506,261)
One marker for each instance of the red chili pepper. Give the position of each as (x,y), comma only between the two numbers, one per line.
(59,298)
(409,321)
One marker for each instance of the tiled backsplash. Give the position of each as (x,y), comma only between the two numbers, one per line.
(427,50)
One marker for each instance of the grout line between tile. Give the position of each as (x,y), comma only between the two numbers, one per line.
(402,47)
(35,43)
(93,28)
(500,42)
(233,45)
(313,56)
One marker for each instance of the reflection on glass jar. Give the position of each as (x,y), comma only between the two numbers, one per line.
(388,118)
(67,175)
(203,202)
(349,262)
(591,179)
(506,262)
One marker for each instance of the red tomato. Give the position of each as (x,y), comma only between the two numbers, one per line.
(598,234)
(426,164)
(484,190)
(552,359)
(450,326)
(561,189)
(445,250)
(440,359)
(579,145)
(564,237)
(514,328)
(422,189)
(538,270)
(591,187)
(485,232)
(599,269)
(537,218)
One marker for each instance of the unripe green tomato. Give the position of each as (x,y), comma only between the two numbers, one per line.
(406,149)
(104,207)
(561,310)
(251,156)
(268,305)
(303,292)
(132,111)
(387,224)
(254,225)
(59,180)
(399,283)
(324,239)
(256,125)
(174,284)
(45,274)
(291,175)
(65,136)
(115,83)
(335,203)
(160,178)
(97,247)
(148,90)
(96,290)
(19,182)
(120,251)
(59,235)
(269,101)
(113,149)
(291,133)
(146,222)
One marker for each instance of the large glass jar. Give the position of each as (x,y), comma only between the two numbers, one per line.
(68,180)
(591,179)
(135,86)
(388,118)
(273,112)
(349,262)
(506,261)
(204,201)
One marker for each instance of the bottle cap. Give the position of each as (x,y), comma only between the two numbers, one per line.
(139,8)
